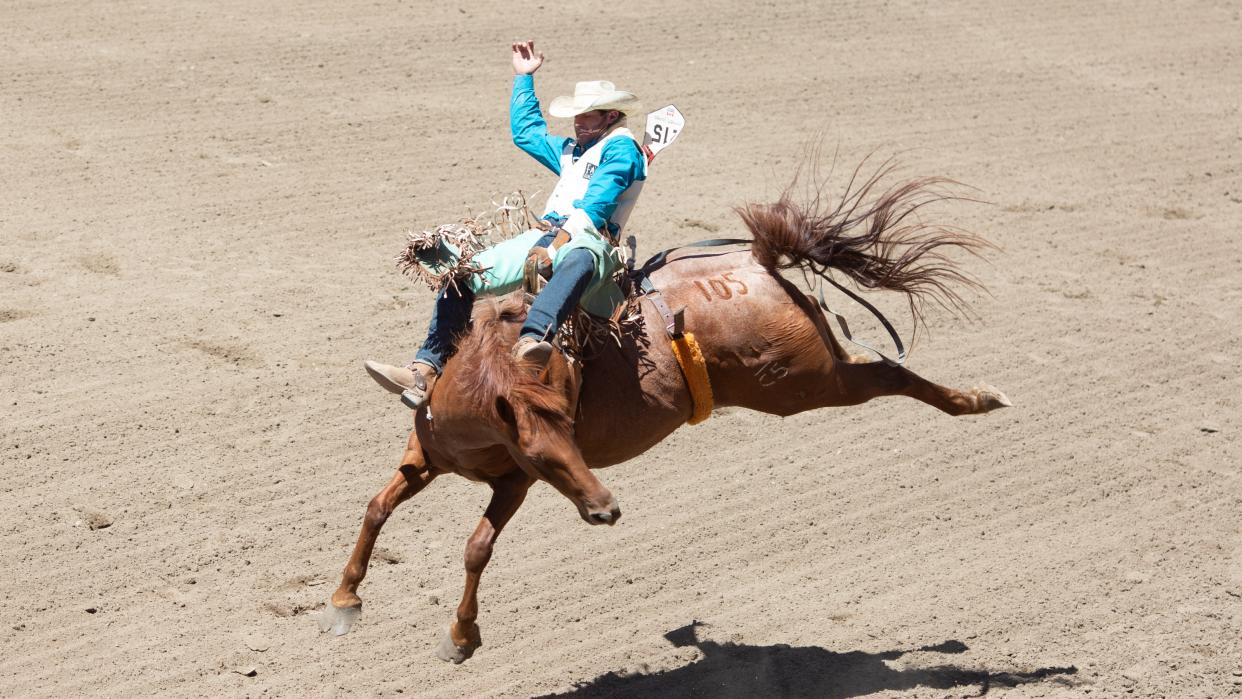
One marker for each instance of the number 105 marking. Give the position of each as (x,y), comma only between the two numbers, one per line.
(718,287)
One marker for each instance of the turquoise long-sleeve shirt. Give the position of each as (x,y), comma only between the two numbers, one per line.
(620,165)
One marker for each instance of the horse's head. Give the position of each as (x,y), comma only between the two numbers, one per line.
(532,412)
(539,427)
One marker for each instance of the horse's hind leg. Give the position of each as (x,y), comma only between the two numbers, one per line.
(345,606)
(855,380)
(858,383)
(463,638)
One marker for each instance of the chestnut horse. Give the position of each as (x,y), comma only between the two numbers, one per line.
(767,347)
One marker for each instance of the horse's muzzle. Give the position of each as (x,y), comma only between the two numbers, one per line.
(608,513)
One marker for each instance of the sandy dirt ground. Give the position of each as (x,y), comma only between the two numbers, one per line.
(200,205)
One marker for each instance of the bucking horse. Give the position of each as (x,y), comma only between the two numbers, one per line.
(743,335)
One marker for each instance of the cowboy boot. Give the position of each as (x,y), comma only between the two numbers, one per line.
(533,350)
(413,382)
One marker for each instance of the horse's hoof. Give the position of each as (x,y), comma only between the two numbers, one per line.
(338,620)
(991,398)
(450,652)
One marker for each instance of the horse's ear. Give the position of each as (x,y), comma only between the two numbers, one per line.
(505,410)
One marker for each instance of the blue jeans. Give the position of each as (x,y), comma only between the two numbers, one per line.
(551,307)
(558,299)
(448,321)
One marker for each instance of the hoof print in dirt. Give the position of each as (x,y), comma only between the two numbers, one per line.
(95,519)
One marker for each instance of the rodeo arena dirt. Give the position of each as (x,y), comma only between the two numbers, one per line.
(200,210)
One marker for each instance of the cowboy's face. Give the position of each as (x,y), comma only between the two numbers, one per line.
(589,126)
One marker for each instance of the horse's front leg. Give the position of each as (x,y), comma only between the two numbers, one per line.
(412,476)
(462,638)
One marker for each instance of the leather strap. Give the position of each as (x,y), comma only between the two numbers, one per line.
(657,260)
(845,328)
(674,321)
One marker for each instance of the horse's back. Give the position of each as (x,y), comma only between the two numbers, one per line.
(754,327)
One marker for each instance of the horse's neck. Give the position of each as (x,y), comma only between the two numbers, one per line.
(566,374)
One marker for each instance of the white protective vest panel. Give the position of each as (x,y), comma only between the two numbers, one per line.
(576,176)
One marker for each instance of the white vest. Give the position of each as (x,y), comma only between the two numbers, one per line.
(576,175)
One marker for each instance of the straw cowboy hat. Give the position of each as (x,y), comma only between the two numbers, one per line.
(591,95)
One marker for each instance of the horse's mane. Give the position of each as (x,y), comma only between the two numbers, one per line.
(490,371)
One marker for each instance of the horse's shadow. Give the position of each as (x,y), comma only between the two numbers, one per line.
(732,670)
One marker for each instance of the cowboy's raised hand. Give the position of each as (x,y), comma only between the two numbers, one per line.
(525,59)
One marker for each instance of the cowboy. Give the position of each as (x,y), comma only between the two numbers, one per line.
(601,172)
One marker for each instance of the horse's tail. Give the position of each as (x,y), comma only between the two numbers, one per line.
(880,242)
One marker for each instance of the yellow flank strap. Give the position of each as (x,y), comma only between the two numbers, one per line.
(693,366)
